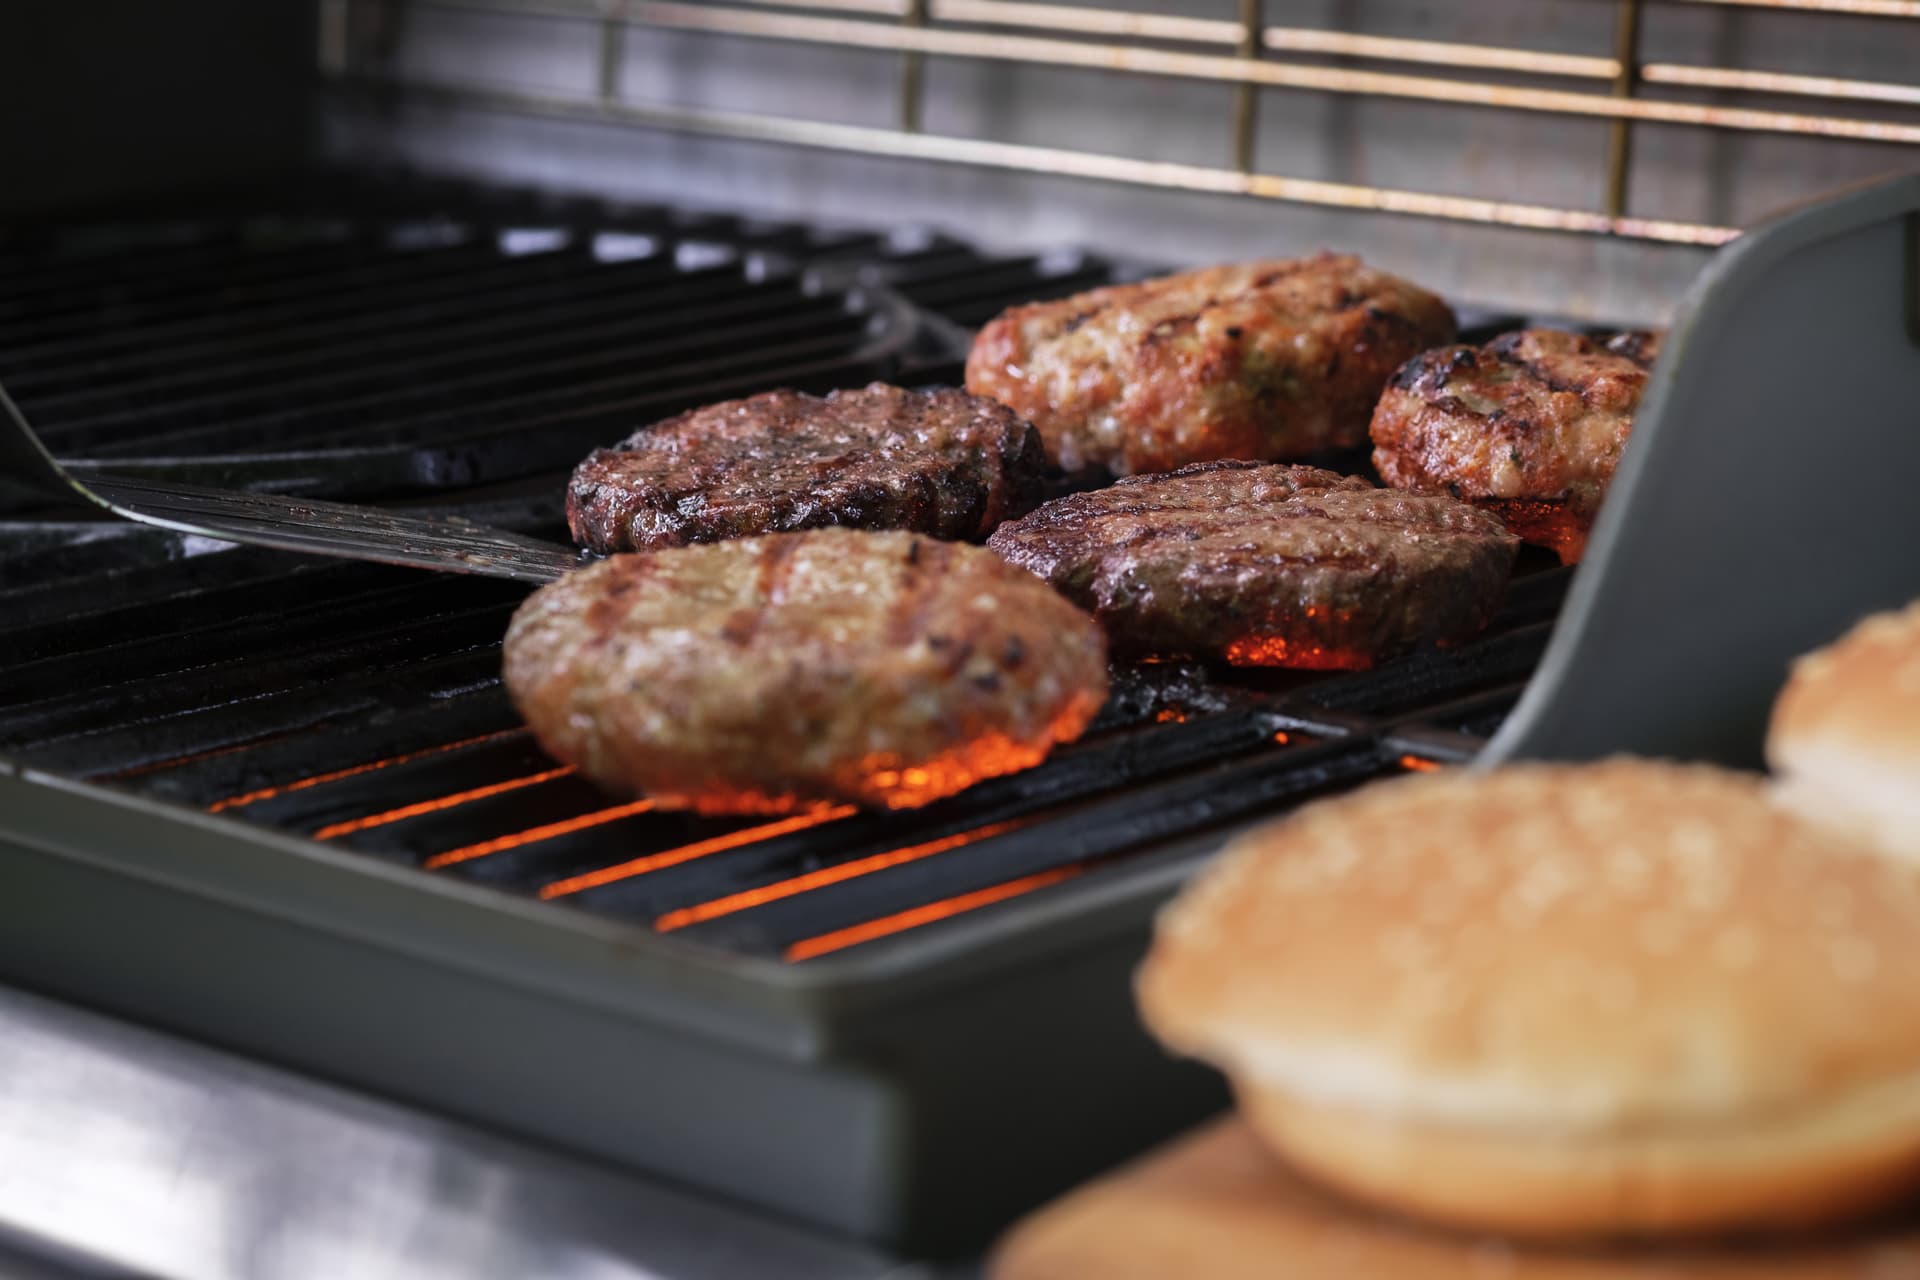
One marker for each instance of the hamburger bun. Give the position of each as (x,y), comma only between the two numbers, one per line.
(1216,1204)
(1609,1000)
(1845,737)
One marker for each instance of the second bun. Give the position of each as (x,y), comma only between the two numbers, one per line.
(1613,1000)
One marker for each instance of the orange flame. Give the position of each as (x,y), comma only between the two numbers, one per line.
(825,876)
(435,805)
(900,921)
(1419,764)
(314,780)
(1546,523)
(1280,651)
(533,835)
(688,852)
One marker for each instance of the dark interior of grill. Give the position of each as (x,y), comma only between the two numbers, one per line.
(459,349)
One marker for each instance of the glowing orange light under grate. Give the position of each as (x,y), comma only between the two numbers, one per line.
(899,922)
(533,835)
(1420,764)
(353,771)
(688,852)
(435,805)
(825,876)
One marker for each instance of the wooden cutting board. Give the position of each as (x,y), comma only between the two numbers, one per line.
(1214,1205)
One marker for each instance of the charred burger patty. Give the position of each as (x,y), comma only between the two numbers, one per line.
(1531,425)
(785,672)
(1261,360)
(1267,565)
(939,462)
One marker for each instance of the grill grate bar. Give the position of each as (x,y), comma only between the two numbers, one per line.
(216,373)
(438,276)
(486,391)
(271,301)
(1139,817)
(399,314)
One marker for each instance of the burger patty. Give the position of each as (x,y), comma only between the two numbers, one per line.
(1267,565)
(790,671)
(1531,425)
(937,462)
(1261,360)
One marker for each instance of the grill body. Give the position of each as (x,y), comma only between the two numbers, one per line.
(283,806)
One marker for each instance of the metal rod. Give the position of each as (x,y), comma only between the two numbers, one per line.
(1626,53)
(335,37)
(1913,278)
(1439,53)
(1775,82)
(1095,22)
(1075,21)
(872,35)
(1079,164)
(1862,8)
(1246,97)
(613,48)
(913,72)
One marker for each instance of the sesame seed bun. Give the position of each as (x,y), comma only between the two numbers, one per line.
(1845,738)
(1217,1204)
(1562,1001)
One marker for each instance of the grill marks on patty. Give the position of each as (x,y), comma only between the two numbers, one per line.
(1264,564)
(1531,425)
(1258,360)
(797,670)
(938,462)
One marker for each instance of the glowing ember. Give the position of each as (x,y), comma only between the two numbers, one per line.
(534,835)
(1420,765)
(351,771)
(827,875)
(1281,651)
(688,852)
(1553,525)
(388,816)
(899,922)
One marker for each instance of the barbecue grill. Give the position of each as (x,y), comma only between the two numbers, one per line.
(294,795)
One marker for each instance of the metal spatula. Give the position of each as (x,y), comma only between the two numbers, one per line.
(273,520)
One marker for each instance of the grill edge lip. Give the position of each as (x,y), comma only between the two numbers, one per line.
(790,1009)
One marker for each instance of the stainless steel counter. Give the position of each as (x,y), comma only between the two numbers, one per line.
(123,1150)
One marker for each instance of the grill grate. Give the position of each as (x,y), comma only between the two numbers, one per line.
(361,705)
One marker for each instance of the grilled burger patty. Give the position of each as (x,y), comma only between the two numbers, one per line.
(938,462)
(1267,565)
(1261,360)
(1531,425)
(779,673)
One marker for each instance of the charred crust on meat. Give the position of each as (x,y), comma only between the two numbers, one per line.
(940,462)
(1257,562)
(1259,360)
(1536,418)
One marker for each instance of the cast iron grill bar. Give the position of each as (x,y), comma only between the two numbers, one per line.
(1139,817)
(401,312)
(271,301)
(217,369)
(65,282)
(388,394)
